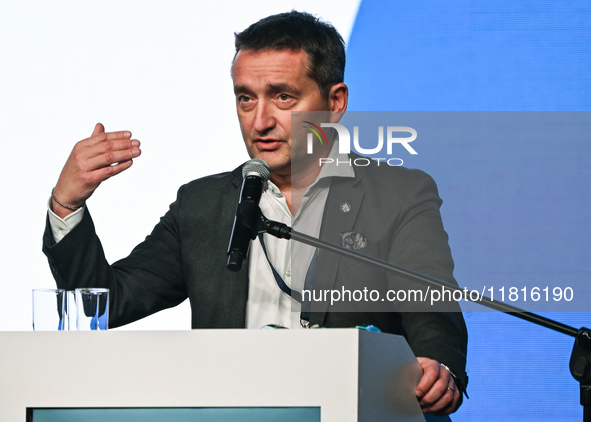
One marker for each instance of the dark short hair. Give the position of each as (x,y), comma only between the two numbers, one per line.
(300,30)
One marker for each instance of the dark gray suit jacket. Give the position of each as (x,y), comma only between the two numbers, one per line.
(396,209)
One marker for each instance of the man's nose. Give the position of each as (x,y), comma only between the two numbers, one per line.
(264,119)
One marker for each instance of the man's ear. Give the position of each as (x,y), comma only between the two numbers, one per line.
(338,99)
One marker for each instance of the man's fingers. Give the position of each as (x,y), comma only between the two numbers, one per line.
(98,128)
(115,146)
(101,136)
(112,156)
(93,156)
(431,371)
(448,403)
(437,392)
(124,134)
(96,177)
(110,171)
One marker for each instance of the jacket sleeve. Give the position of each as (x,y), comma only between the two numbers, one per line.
(148,280)
(420,243)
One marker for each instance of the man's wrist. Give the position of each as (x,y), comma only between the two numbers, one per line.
(60,203)
(61,226)
(459,383)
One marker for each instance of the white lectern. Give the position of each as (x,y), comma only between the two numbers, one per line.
(349,374)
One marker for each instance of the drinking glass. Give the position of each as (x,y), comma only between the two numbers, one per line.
(49,310)
(92,309)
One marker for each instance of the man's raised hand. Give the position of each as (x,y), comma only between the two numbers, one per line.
(92,161)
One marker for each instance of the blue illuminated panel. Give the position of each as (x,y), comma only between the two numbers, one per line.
(222,414)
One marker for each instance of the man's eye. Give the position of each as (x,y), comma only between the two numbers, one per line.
(244,98)
(284,97)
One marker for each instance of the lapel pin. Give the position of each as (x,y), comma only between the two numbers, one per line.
(345,207)
(353,240)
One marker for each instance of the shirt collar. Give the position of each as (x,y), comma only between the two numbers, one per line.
(338,167)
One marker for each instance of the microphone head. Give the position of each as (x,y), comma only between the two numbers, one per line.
(256,167)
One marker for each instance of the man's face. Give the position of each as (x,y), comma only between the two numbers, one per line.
(269,85)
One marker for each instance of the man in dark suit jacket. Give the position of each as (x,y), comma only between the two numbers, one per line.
(283,63)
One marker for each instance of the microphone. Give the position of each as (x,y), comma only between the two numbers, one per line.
(248,214)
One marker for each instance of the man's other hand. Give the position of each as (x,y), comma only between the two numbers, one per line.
(92,161)
(437,391)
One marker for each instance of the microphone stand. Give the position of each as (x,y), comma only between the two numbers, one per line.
(580,361)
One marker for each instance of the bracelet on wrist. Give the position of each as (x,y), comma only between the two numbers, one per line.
(62,204)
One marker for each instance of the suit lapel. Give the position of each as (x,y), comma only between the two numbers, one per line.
(340,213)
